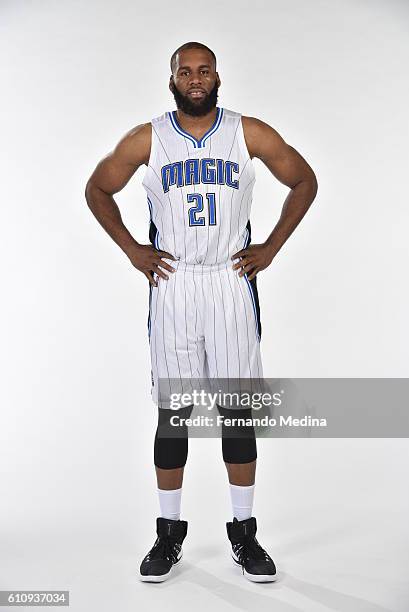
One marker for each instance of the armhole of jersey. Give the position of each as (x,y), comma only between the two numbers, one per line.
(152,155)
(153,138)
(243,144)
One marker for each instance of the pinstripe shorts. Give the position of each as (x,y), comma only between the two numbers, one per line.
(204,323)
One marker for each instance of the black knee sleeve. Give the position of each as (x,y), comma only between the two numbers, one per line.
(171,446)
(238,441)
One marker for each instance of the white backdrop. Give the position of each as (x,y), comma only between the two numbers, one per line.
(77,421)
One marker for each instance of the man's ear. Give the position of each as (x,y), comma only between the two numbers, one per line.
(218,79)
(171,83)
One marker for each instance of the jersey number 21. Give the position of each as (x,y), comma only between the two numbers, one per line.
(197,198)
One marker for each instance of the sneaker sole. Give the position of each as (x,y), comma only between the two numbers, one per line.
(256,577)
(163,577)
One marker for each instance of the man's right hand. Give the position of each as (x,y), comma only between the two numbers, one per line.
(147,259)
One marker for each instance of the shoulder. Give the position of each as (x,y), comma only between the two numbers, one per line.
(258,135)
(254,127)
(138,133)
(135,145)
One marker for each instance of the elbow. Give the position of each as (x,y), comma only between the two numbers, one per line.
(309,184)
(315,185)
(89,190)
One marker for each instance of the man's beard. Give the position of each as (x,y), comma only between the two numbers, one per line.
(196,109)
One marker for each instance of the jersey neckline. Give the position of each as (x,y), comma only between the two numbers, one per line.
(197,143)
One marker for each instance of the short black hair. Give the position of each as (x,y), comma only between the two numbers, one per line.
(190,45)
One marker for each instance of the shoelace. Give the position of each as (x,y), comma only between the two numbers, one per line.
(249,547)
(164,547)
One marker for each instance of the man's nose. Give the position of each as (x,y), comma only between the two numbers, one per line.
(195,78)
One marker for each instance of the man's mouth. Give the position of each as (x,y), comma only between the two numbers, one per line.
(197,93)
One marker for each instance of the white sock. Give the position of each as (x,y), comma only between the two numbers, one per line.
(169,502)
(242,501)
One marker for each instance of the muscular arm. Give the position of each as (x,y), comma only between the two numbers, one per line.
(110,176)
(291,169)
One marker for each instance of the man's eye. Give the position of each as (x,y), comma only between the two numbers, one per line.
(205,71)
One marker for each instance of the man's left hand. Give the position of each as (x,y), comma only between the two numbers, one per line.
(253,259)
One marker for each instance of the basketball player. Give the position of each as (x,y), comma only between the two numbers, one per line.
(204,315)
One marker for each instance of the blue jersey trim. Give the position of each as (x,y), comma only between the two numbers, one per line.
(254,305)
(150,209)
(156,239)
(149,315)
(197,144)
(247,239)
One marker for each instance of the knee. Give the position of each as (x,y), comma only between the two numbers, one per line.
(171,446)
(170,453)
(239,450)
(238,441)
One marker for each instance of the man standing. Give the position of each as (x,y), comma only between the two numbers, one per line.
(204,314)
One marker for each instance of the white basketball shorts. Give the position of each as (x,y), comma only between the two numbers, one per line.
(204,322)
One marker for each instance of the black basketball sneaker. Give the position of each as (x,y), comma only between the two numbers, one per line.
(166,552)
(257,565)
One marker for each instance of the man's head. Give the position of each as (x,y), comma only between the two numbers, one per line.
(194,81)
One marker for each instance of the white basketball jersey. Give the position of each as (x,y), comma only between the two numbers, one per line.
(199,191)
